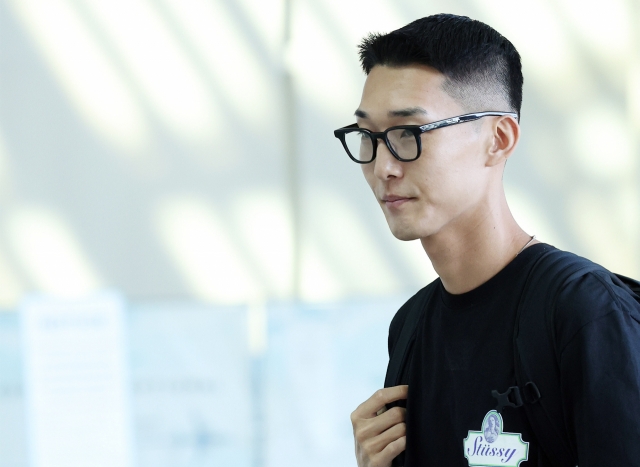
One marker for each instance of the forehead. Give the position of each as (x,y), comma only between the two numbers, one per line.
(391,88)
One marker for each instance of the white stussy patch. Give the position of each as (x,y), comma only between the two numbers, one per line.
(492,447)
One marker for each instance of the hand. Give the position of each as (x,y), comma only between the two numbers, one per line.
(380,434)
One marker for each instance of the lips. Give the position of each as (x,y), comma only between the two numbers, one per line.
(394,201)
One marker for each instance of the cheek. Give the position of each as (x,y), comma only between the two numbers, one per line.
(367,171)
(451,177)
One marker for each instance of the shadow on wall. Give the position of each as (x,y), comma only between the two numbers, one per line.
(154,136)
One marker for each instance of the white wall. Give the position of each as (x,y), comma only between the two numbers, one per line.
(147,146)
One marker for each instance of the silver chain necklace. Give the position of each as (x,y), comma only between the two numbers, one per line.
(533,237)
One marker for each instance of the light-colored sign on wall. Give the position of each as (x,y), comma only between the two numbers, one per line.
(76,383)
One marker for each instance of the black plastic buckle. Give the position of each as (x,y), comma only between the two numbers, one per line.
(510,398)
(531,393)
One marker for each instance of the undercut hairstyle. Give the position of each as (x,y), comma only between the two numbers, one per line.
(482,68)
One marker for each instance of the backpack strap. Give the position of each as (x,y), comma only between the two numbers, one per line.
(401,353)
(536,362)
(631,284)
(402,348)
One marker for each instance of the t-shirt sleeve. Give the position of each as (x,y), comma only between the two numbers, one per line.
(598,337)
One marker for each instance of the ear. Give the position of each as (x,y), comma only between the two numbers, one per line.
(506,133)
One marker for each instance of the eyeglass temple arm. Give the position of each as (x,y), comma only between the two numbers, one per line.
(464,118)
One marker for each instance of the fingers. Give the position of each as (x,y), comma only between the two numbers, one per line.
(380,450)
(365,429)
(380,434)
(391,451)
(380,442)
(379,399)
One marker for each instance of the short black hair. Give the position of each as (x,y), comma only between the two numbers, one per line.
(476,60)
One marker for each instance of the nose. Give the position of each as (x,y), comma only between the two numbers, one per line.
(385,165)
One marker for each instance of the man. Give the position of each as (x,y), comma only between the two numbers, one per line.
(438,178)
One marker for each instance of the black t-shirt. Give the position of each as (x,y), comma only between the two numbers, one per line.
(464,350)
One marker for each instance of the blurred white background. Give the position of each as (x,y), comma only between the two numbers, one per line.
(181,153)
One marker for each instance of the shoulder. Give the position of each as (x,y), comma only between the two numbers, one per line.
(401,315)
(592,296)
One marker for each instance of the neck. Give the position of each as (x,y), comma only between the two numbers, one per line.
(475,247)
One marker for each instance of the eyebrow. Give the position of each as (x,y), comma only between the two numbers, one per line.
(408,112)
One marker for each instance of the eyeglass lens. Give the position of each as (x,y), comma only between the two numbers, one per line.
(403,142)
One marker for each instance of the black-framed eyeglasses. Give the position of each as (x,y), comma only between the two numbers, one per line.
(404,141)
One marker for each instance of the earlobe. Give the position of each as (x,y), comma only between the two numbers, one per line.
(506,133)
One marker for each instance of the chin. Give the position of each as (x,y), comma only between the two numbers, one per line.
(406,237)
(407,231)
(404,234)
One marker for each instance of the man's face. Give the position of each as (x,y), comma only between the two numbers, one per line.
(447,184)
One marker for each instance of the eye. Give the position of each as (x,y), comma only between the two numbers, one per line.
(406,134)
